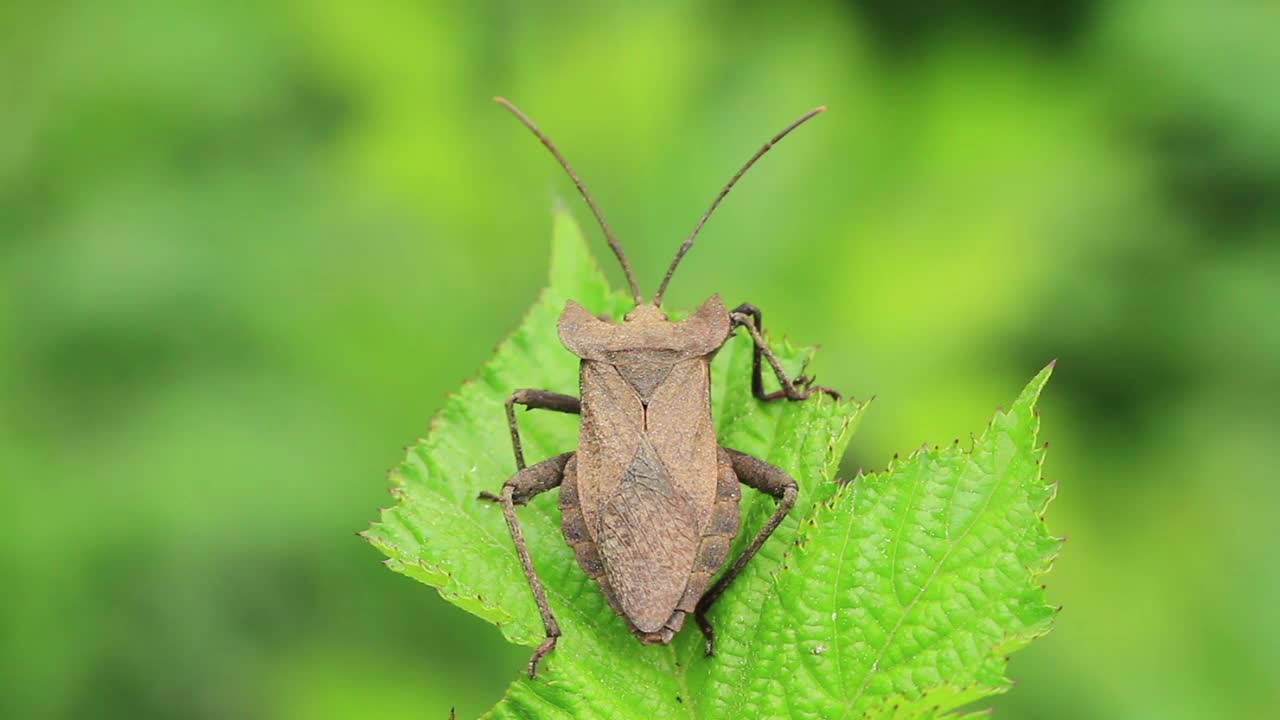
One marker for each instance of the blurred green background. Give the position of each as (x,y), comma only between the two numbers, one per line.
(246,249)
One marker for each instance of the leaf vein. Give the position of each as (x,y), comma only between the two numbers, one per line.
(915,601)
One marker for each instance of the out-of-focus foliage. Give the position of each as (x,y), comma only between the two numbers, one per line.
(246,248)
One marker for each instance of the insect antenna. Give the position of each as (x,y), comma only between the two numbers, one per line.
(688,243)
(591,203)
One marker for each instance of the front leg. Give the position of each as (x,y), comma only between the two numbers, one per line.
(749,316)
(523,486)
(534,399)
(764,477)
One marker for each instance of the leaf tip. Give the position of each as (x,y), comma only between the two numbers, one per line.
(1031,393)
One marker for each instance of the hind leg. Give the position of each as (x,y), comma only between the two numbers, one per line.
(766,478)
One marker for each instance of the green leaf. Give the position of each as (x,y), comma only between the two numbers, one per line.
(894,595)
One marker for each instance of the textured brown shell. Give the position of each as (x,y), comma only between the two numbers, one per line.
(650,501)
(712,549)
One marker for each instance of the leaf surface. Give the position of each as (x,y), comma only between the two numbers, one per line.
(895,595)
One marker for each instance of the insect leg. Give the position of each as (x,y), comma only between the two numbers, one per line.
(764,477)
(532,399)
(523,486)
(749,316)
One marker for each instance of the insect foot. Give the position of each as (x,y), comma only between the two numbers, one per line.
(545,647)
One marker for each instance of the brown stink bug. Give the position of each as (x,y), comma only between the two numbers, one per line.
(649,501)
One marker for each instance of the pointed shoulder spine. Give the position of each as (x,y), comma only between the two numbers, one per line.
(584,334)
